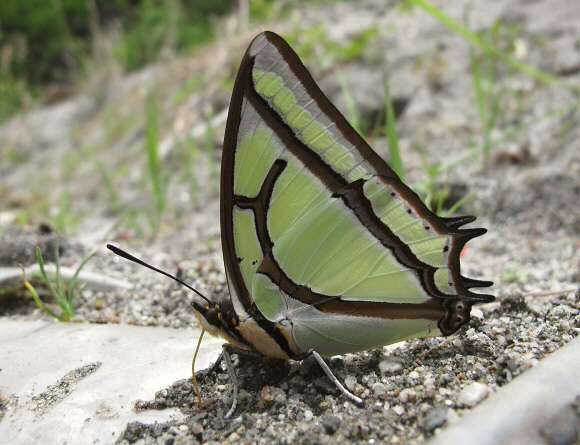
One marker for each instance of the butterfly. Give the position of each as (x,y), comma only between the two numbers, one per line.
(326,250)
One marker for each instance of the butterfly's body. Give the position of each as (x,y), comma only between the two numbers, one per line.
(325,248)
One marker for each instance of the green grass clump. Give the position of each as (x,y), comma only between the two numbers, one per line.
(46,42)
(493,59)
(479,41)
(64,294)
(313,43)
(157,26)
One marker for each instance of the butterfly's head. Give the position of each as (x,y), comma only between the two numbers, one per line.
(219,319)
(209,315)
(457,313)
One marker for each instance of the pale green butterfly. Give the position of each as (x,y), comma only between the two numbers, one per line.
(326,251)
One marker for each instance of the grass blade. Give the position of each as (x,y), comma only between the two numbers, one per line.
(65,297)
(37,299)
(479,89)
(72,295)
(49,284)
(477,40)
(152,148)
(391,131)
(352,113)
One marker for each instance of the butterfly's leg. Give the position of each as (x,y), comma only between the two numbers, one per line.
(330,375)
(234,379)
(228,349)
(232,350)
(210,369)
(225,356)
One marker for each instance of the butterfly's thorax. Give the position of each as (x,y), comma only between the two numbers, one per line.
(219,322)
(243,331)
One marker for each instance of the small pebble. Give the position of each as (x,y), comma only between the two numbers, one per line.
(308,416)
(280,396)
(294,398)
(350,382)
(331,424)
(435,418)
(324,386)
(379,389)
(429,382)
(390,366)
(242,394)
(472,394)
(476,312)
(271,393)
(268,393)
(407,395)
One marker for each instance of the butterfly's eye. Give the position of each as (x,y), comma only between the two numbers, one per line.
(213,316)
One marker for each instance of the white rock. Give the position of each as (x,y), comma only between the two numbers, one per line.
(429,382)
(398,409)
(135,362)
(472,394)
(476,312)
(379,388)
(390,366)
(350,382)
(407,394)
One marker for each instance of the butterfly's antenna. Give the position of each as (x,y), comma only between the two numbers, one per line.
(130,257)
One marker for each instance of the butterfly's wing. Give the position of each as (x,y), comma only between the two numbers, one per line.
(325,248)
